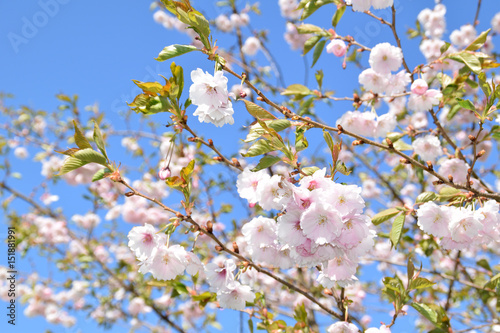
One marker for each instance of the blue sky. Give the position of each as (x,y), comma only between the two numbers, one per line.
(95,48)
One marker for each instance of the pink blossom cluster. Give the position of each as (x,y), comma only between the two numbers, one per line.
(384,59)
(433,21)
(364,5)
(293,38)
(464,36)
(368,123)
(460,228)
(422,98)
(231,294)
(227,24)
(210,94)
(321,223)
(428,147)
(345,327)
(289,10)
(50,230)
(251,46)
(155,257)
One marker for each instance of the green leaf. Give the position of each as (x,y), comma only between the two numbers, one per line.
(297,89)
(340,167)
(310,170)
(258,148)
(80,139)
(70,164)
(318,49)
(397,229)
(425,197)
(425,311)
(257,111)
(448,193)
(479,41)
(187,171)
(466,104)
(266,162)
(421,283)
(468,59)
(100,174)
(309,44)
(338,15)
(319,78)
(445,47)
(484,264)
(385,215)
(308,29)
(175,50)
(401,145)
(311,6)
(90,155)
(250,325)
(256,130)
(99,140)
(150,87)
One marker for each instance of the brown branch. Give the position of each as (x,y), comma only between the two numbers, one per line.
(476,22)
(452,282)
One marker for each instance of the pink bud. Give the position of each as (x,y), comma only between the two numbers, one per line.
(419,87)
(164,173)
(252,205)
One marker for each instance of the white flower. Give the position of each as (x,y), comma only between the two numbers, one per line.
(361,5)
(428,147)
(165,263)
(433,219)
(380,4)
(223,23)
(236,298)
(251,46)
(464,36)
(247,184)
(143,240)
(371,80)
(208,89)
(220,274)
(456,168)
(342,327)
(495,23)
(217,115)
(385,58)
(288,9)
(21,153)
(321,223)
(425,101)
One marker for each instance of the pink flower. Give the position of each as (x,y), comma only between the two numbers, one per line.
(342,326)
(321,223)
(424,102)
(360,5)
(251,46)
(289,230)
(419,87)
(371,80)
(143,240)
(428,147)
(337,47)
(220,274)
(236,298)
(260,231)
(247,184)
(385,58)
(433,219)
(456,168)
(165,263)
